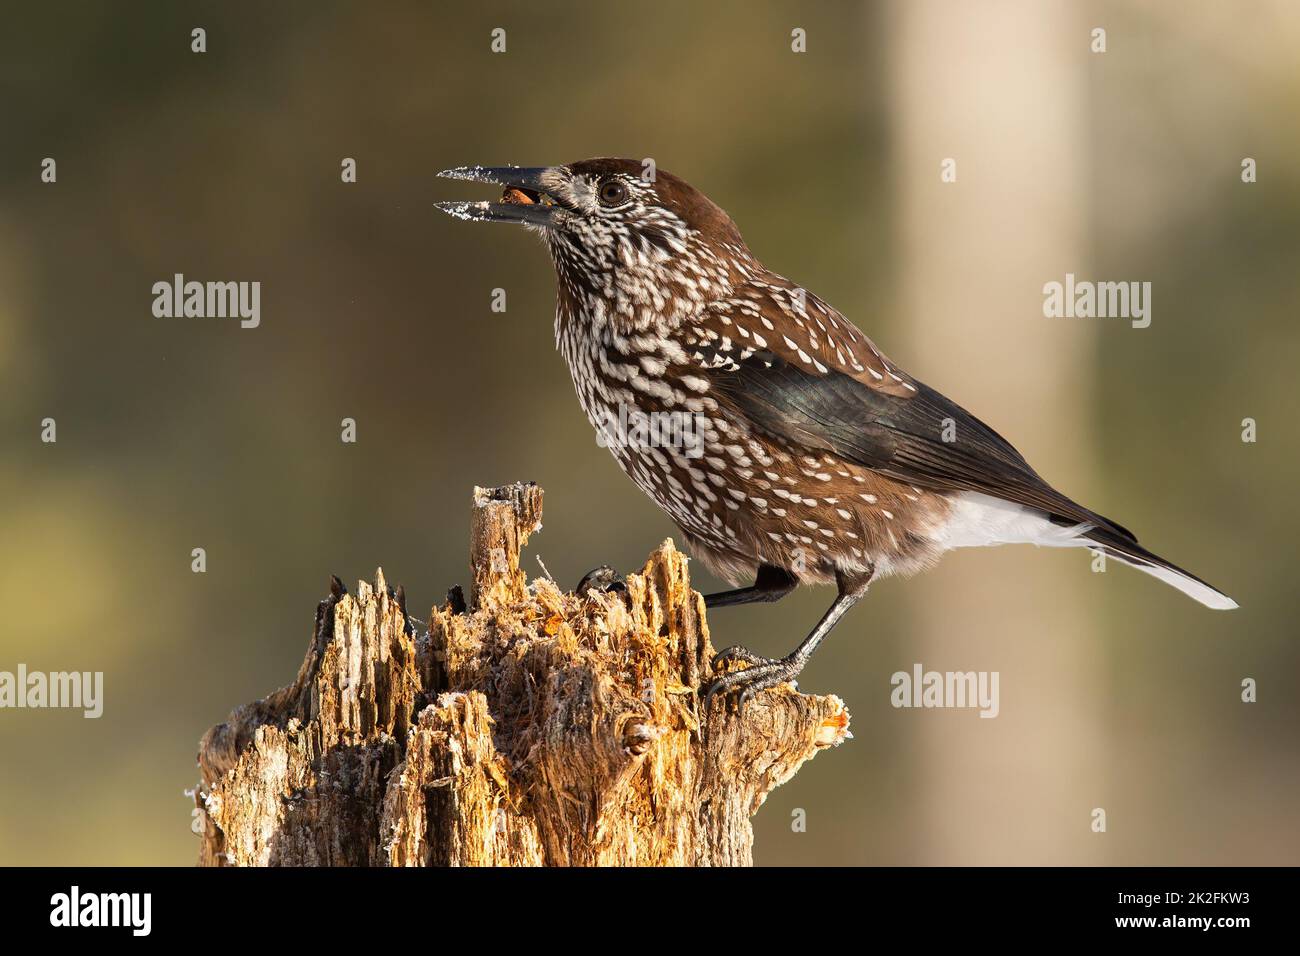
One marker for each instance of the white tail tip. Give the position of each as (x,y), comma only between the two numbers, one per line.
(1192,588)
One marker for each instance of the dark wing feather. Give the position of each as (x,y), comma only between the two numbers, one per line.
(898,436)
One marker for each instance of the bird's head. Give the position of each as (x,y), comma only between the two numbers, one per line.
(615,227)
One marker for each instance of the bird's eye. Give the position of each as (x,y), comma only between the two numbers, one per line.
(613,192)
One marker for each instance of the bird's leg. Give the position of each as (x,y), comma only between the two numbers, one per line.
(770,584)
(765,672)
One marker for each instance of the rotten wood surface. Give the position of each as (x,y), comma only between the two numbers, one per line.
(533,727)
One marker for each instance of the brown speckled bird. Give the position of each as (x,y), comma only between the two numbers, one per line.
(789,449)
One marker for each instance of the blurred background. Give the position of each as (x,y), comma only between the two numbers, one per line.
(1116,692)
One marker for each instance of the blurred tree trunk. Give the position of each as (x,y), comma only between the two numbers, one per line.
(1001,89)
(535,727)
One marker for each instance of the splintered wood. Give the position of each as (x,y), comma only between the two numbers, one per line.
(536,727)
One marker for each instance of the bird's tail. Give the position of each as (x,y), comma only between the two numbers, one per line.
(1128,551)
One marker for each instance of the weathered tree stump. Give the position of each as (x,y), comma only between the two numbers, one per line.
(534,727)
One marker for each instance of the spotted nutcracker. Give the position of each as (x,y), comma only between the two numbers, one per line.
(816,458)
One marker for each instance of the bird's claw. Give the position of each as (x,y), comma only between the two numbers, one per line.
(762,673)
(739,653)
(603,578)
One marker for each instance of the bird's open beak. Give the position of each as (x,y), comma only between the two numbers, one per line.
(524,199)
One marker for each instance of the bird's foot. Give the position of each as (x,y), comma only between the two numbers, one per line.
(737,653)
(603,578)
(762,673)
